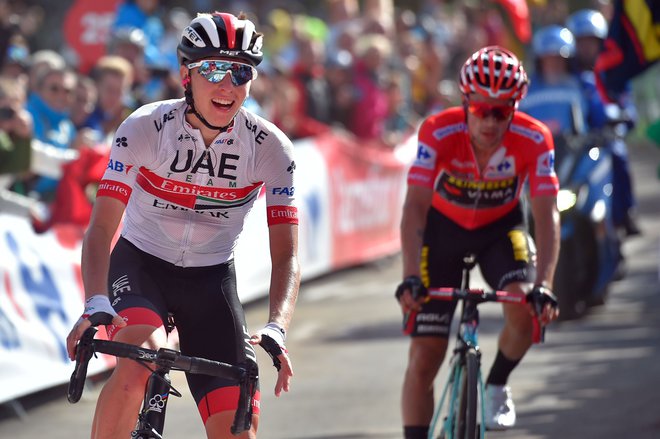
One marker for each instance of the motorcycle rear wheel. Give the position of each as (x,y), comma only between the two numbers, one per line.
(577,271)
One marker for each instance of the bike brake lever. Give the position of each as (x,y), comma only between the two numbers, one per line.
(84,352)
(248,386)
(538,331)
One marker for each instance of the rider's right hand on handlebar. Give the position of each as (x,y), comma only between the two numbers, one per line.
(98,310)
(545,304)
(411,293)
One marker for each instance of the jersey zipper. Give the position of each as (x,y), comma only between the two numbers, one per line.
(190,223)
(477,179)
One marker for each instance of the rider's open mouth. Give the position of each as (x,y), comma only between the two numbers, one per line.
(222,103)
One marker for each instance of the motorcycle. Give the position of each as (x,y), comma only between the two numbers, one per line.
(590,255)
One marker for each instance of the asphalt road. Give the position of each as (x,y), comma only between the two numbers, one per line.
(594,378)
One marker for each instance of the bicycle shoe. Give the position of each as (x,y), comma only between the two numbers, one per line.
(500,411)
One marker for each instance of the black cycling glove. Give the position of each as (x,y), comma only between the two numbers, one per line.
(414,285)
(541,296)
(272,340)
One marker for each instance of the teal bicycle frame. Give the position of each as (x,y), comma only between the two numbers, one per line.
(467,347)
(467,339)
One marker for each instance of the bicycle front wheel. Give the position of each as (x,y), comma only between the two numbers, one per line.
(465,423)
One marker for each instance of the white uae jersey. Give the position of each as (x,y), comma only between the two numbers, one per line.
(186,203)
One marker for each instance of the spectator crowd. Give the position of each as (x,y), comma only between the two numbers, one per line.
(370,69)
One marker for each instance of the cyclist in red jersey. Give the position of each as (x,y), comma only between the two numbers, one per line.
(184,173)
(464,197)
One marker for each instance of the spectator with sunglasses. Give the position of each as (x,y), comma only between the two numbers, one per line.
(184,173)
(464,197)
(50,105)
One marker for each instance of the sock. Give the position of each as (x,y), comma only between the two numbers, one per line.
(416,432)
(502,368)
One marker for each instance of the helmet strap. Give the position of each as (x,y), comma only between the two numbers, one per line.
(191,103)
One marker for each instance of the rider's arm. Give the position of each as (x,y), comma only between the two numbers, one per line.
(544,186)
(547,237)
(285,273)
(284,283)
(106,216)
(105,219)
(413,222)
(421,176)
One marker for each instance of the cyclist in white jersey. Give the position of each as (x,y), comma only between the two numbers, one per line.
(184,173)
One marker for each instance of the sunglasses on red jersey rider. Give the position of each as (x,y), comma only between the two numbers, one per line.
(214,71)
(483,110)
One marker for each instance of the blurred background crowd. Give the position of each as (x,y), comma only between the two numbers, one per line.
(71,71)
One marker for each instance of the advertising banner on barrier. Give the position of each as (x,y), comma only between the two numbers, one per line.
(349,198)
(366,186)
(40,299)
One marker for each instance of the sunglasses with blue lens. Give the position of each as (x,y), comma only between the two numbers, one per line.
(214,71)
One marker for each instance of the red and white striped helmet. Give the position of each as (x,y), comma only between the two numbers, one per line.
(494,72)
(220,35)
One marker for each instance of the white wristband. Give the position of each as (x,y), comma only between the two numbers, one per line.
(98,303)
(274,331)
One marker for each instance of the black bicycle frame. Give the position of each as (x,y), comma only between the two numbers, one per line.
(151,418)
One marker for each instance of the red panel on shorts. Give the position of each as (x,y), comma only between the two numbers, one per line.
(224,399)
(136,316)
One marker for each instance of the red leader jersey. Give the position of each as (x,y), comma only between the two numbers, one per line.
(446,163)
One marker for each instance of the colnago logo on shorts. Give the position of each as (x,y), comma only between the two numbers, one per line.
(194,196)
(479,194)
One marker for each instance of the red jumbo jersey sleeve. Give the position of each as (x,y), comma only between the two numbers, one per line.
(471,197)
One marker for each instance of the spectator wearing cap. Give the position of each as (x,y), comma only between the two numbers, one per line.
(40,62)
(113,76)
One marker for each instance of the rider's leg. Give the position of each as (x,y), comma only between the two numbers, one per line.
(515,340)
(218,426)
(440,265)
(508,264)
(516,336)
(424,359)
(119,402)
(210,307)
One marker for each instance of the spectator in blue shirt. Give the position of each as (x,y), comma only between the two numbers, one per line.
(49,104)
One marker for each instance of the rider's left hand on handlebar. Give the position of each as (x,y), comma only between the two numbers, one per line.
(544,304)
(271,338)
